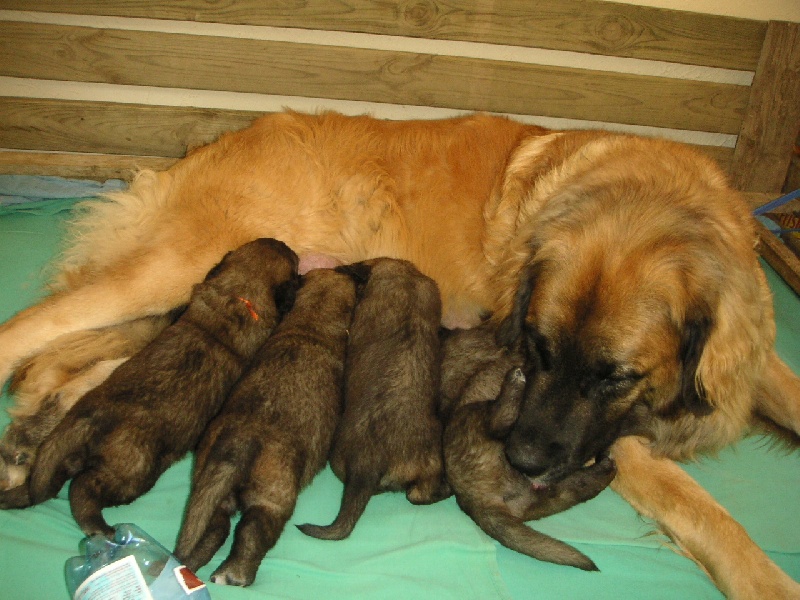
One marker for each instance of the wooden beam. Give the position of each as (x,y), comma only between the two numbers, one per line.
(606,28)
(772,120)
(98,167)
(110,128)
(42,51)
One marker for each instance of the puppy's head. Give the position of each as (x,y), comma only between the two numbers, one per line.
(256,281)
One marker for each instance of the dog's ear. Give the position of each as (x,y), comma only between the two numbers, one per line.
(510,329)
(692,395)
(285,294)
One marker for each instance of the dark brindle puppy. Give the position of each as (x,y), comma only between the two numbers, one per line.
(273,434)
(389,437)
(120,437)
(496,496)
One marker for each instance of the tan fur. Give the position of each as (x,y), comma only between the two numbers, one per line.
(705,531)
(468,201)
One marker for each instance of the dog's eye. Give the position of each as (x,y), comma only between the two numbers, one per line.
(613,380)
(618,382)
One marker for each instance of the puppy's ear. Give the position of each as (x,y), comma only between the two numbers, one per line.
(510,328)
(506,409)
(692,395)
(215,270)
(285,294)
(358,272)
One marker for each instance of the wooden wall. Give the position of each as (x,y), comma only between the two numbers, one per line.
(142,47)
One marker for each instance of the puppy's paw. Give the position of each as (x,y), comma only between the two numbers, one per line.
(603,470)
(229,573)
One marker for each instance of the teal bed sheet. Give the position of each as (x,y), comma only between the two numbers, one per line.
(399,550)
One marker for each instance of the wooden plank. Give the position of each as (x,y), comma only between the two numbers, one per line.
(779,257)
(98,167)
(203,62)
(765,144)
(604,28)
(123,129)
(109,128)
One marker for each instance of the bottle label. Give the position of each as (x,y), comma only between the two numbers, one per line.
(120,580)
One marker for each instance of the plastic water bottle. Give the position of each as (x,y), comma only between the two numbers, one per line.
(132,566)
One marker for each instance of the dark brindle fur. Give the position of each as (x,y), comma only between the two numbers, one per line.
(497,497)
(389,437)
(273,434)
(120,437)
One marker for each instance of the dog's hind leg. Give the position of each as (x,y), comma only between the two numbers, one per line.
(65,366)
(21,440)
(778,397)
(660,490)
(153,285)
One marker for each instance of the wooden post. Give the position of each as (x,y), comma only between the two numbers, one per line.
(764,149)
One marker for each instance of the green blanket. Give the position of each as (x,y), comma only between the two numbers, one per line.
(399,550)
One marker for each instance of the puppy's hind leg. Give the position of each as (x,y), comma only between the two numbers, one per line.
(257,532)
(217,531)
(429,489)
(85,498)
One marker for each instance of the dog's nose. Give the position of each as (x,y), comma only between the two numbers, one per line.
(533,459)
(532,464)
(532,470)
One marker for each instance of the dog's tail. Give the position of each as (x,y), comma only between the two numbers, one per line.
(513,533)
(357,492)
(216,482)
(63,454)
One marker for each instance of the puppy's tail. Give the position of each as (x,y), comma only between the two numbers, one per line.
(514,534)
(356,496)
(210,488)
(62,455)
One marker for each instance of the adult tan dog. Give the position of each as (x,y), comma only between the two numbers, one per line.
(474,202)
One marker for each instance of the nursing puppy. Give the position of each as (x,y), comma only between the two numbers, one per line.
(389,437)
(273,434)
(483,386)
(118,439)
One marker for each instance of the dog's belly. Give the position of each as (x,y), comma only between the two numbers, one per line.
(316,260)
